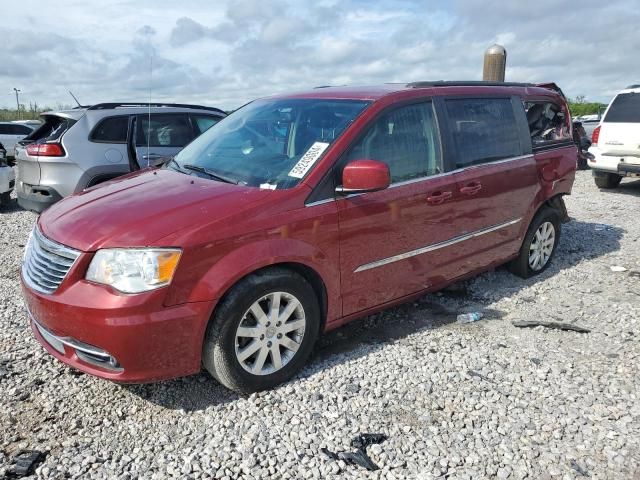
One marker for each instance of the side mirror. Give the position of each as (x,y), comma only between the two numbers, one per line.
(361,176)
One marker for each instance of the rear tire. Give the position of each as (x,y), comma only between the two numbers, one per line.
(263,331)
(539,244)
(5,199)
(606,180)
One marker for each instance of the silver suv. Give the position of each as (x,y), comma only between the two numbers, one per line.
(78,148)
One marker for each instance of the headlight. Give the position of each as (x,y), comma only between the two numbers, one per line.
(134,270)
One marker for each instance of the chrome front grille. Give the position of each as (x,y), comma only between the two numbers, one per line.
(46,262)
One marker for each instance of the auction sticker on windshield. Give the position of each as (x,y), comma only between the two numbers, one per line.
(308,159)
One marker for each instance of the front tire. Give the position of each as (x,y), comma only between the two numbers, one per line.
(263,331)
(539,244)
(606,180)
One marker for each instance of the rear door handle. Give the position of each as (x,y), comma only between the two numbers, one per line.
(471,188)
(436,198)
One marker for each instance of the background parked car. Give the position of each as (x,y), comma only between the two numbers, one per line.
(78,148)
(616,141)
(11,133)
(7,178)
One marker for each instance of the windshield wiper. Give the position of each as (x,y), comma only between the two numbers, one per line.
(173,160)
(211,173)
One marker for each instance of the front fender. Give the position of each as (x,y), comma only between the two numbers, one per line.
(229,269)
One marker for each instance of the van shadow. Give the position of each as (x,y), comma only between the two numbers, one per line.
(580,241)
(626,188)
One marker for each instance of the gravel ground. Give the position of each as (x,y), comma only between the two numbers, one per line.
(481,400)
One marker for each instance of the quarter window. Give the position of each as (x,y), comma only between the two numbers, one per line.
(166,131)
(406,139)
(204,122)
(111,130)
(483,129)
(547,123)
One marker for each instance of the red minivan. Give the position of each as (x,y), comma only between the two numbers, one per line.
(293,215)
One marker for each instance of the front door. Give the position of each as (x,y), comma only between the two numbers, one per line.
(392,241)
(167,134)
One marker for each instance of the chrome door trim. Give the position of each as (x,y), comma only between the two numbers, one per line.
(435,246)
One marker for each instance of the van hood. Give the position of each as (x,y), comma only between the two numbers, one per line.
(139,209)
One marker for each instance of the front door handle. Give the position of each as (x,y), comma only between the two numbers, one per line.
(471,188)
(436,198)
(151,156)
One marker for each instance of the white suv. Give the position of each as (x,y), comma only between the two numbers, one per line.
(616,141)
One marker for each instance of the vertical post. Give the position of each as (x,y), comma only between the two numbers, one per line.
(495,62)
(18,102)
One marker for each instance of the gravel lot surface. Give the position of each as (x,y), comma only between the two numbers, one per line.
(482,400)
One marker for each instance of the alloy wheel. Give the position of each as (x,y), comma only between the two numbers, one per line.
(270,333)
(542,246)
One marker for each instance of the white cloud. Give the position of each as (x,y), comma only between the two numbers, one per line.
(226,53)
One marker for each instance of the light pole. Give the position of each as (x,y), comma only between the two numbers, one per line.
(18,101)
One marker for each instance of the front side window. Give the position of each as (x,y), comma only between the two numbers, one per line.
(270,143)
(406,139)
(624,109)
(483,129)
(166,130)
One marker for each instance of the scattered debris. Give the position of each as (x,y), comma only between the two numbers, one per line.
(618,268)
(556,325)
(576,466)
(469,317)
(536,361)
(24,463)
(359,457)
(473,373)
(634,273)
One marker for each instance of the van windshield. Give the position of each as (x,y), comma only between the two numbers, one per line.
(624,109)
(269,143)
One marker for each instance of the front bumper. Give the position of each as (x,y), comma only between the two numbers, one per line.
(124,338)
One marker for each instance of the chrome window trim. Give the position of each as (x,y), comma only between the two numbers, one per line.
(434,246)
(429,177)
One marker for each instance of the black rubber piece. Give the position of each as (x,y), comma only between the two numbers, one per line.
(25,463)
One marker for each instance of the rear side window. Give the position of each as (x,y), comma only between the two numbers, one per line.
(5,130)
(111,130)
(166,130)
(483,129)
(624,109)
(19,130)
(406,139)
(52,129)
(204,122)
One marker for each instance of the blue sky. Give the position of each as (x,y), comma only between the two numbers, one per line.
(225,53)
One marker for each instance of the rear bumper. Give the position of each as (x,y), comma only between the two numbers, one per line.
(613,164)
(37,198)
(123,338)
(628,168)
(7,179)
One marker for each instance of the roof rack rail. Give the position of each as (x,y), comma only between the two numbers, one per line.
(106,106)
(466,83)
(637,85)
